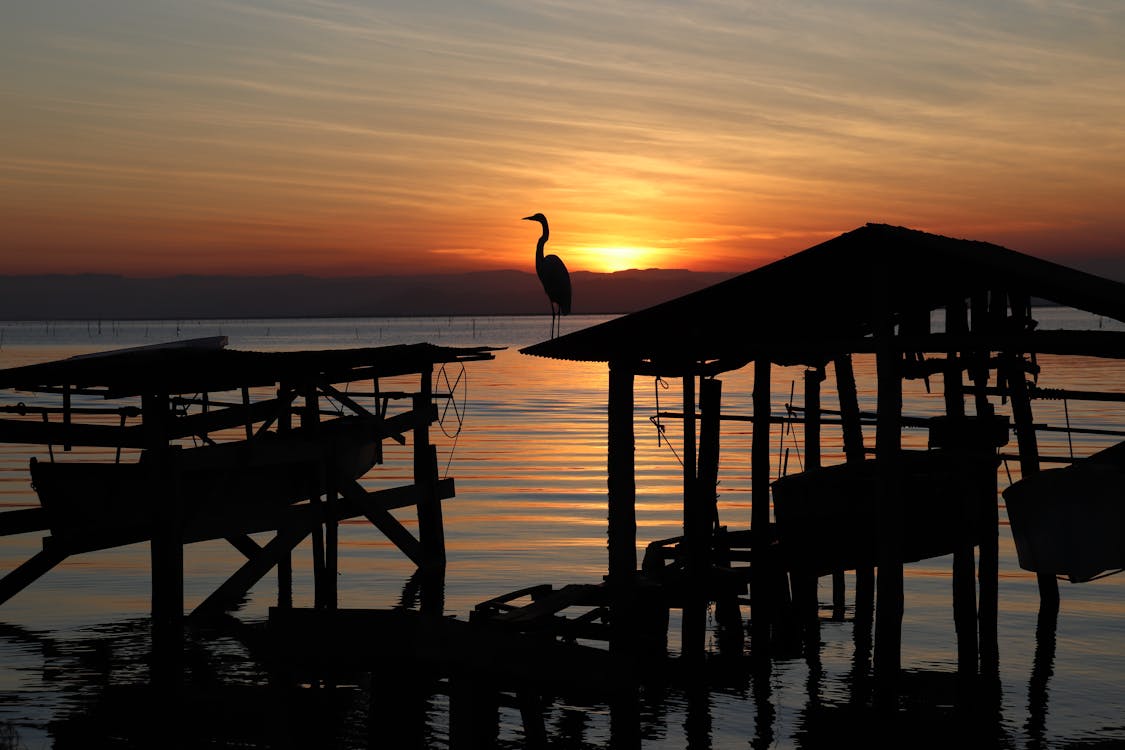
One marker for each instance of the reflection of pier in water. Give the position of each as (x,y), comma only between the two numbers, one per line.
(540,650)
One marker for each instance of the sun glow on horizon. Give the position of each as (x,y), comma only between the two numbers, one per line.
(615,258)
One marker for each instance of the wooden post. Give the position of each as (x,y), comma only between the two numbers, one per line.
(760,572)
(696,536)
(805,583)
(728,614)
(988,566)
(854,451)
(1027,441)
(331,538)
(431,531)
(710,400)
(284,561)
(621,490)
(888,511)
(620,476)
(964,555)
(310,418)
(166,546)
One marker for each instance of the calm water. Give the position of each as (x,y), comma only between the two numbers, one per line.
(529,466)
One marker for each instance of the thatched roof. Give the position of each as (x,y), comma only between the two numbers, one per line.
(830,298)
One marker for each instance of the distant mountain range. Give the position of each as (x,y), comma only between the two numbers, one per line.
(110,297)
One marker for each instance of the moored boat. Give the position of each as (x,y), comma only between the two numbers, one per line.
(236,478)
(1070,521)
(827,518)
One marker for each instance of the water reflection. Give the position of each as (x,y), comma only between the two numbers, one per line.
(230,694)
(1042,668)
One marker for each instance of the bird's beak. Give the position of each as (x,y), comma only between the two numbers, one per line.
(527,218)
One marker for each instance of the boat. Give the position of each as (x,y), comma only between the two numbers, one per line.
(826,517)
(234,479)
(1070,521)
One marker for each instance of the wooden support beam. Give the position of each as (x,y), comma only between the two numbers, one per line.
(310,420)
(29,571)
(55,433)
(378,515)
(964,555)
(431,530)
(620,475)
(23,520)
(851,426)
(244,544)
(710,406)
(805,593)
(166,551)
(621,498)
(761,570)
(888,510)
(850,417)
(331,543)
(696,536)
(1024,424)
(988,564)
(338,395)
(233,590)
(760,455)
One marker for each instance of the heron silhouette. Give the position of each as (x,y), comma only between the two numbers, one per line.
(554,276)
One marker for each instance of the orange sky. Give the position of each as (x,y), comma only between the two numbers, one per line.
(348,137)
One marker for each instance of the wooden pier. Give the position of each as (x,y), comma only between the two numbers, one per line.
(200,442)
(872,292)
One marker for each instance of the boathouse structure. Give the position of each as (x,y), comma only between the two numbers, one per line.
(953,313)
(189,441)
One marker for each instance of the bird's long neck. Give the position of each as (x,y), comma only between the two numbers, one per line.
(541,243)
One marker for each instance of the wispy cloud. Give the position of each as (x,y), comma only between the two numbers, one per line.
(723,130)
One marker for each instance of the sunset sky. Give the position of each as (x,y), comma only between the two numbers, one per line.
(151,137)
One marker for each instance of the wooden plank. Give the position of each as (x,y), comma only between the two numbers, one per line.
(549,604)
(386,523)
(23,520)
(244,544)
(338,395)
(231,592)
(223,418)
(29,572)
(55,433)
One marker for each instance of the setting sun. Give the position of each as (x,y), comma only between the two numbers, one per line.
(610,259)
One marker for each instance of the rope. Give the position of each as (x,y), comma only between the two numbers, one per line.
(459,412)
(784,468)
(657,384)
(1069,439)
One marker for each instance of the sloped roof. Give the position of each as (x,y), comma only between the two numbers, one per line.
(190,369)
(805,307)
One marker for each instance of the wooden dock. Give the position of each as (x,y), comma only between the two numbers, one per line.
(202,442)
